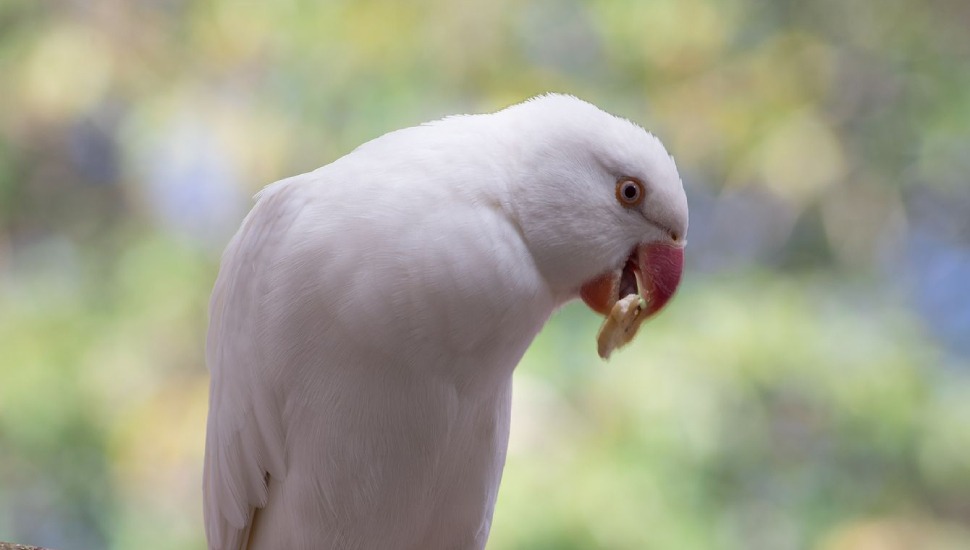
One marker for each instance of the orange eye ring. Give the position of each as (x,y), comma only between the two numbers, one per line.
(629,192)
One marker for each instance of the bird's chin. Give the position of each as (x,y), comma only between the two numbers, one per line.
(652,270)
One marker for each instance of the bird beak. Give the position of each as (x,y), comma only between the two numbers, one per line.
(653,271)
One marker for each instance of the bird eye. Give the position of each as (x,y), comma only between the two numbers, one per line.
(629,191)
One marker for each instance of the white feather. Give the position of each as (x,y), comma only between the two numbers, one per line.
(368,315)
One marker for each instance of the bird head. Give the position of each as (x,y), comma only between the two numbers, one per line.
(599,203)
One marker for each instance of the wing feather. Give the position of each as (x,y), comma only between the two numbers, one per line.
(244,438)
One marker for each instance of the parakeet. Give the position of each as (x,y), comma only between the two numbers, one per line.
(368,316)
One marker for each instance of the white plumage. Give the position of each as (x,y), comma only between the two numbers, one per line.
(368,316)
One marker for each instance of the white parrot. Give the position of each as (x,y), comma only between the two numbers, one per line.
(368,315)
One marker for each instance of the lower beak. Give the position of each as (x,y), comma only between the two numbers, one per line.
(658,268)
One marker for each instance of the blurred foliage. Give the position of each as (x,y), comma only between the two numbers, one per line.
(807,389)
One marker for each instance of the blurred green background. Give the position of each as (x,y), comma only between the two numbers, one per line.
(808,389)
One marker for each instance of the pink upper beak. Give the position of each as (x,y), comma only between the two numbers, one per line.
(661,267)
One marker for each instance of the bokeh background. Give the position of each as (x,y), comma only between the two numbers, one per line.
(808,389)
